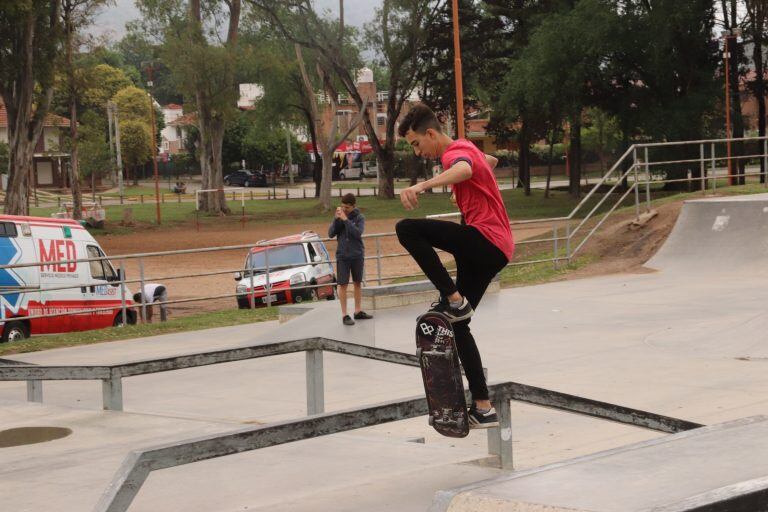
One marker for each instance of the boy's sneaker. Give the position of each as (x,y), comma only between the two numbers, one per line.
(454,313)
(347,320)
(362,315)
(478,419)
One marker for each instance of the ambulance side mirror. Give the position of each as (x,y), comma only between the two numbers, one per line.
(318,259)
(238,276)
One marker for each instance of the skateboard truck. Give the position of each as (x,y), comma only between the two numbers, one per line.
(448,418)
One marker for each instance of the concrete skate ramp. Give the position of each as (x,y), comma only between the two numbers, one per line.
(718,468)
(719,235)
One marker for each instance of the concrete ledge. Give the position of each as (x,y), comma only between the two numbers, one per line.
(720,468)
(404,294)
(288,312)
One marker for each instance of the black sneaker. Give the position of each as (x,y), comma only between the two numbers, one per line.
(439,305)
(362,315)
(456,314)
(347,320)
(479,419)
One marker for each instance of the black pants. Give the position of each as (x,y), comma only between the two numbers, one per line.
(477,263)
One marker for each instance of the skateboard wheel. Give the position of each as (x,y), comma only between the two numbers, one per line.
(431,420)
(460,423)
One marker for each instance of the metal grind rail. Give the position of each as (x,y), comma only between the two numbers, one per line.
(137,466)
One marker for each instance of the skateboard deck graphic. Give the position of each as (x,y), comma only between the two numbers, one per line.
(439,360)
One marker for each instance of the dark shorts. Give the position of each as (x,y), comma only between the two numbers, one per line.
(344,267)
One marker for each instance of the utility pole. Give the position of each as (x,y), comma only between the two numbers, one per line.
(112,107)
(457,72)
(154,143)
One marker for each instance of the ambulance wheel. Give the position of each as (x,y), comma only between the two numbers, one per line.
(15,331)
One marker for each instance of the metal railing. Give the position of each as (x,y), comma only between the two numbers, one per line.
(633,172)
(138,465)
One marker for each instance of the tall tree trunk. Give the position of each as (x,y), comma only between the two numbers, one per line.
(524,158)
(27,103)
(74,163)
(758,26)
(386,161)
(737,121)
(574,157)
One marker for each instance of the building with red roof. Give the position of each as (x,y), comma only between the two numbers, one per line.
(50,159)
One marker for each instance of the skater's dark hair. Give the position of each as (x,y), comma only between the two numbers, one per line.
(349,199)
(419,119)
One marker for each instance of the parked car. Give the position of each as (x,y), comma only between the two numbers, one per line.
(371,171)
(351,173)
(246,178)
(58,285)
(298,261)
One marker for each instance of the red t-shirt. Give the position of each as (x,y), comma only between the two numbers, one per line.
(479,198)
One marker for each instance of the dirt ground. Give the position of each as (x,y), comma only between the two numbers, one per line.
(619,248)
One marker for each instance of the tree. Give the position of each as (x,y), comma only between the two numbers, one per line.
(755,31)
(75,14)
(95,155)
(104,81)
(327,133)
(401,38)
(206,71)
(136,145)
(30,39)
(274,65)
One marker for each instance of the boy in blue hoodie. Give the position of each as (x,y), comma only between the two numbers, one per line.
(348,226)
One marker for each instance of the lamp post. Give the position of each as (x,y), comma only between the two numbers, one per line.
(726,35)
(457,71)
(154,143)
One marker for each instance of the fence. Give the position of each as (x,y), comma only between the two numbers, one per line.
(643,168)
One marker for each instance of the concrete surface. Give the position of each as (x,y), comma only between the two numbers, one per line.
(679,472)
(685,344)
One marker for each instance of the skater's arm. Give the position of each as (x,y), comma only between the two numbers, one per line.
(460,171)
(492,161)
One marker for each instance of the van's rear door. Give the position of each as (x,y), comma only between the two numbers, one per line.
(19,286)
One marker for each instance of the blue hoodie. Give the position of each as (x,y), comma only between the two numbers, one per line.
(349,234)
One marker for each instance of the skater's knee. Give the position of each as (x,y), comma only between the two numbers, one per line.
(403,228)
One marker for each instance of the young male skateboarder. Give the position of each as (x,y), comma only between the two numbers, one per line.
(481,247)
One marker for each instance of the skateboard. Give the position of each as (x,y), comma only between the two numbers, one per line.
(439,361)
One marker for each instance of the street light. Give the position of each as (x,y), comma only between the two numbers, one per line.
(726,35)
(154,143)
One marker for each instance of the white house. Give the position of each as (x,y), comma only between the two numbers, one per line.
(50,162)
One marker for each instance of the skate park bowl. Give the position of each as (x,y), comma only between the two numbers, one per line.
(716,244)
(723,235)
(722,238)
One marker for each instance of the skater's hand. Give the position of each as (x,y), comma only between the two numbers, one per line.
(410,197)
(340,214)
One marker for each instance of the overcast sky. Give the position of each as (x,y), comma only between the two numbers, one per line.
(112,19)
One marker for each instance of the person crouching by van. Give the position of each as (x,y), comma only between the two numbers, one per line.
(348,226)
(153,292)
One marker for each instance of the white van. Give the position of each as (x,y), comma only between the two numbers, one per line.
(39,289)
(302,261)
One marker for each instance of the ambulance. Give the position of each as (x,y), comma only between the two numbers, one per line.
(70,290)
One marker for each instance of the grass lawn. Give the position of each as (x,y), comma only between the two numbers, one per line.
(188,323)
